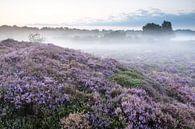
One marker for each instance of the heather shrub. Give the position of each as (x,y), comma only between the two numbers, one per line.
(27,115)
(141,111)
(75,121)
(42,116)
(139,108)
(115,92)
(183,115)
(79,102)
(21,119)
(98,121)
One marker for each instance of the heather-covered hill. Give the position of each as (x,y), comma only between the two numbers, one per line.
(45,86)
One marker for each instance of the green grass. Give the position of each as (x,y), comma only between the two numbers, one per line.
(128,78)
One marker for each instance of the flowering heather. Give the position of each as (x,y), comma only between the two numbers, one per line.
(48,87)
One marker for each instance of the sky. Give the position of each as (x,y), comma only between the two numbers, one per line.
(126,13)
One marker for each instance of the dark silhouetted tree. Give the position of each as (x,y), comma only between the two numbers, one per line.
(152,28)
(167,26)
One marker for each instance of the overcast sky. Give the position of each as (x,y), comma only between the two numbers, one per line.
(96,12)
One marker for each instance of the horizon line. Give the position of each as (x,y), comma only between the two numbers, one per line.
(86,27)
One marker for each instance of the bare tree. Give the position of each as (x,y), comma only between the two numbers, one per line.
(35,37)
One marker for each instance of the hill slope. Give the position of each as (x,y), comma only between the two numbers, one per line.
(45,86)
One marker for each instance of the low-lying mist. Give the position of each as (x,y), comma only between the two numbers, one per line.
(130,47)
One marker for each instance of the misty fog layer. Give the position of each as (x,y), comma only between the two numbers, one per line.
(134,49)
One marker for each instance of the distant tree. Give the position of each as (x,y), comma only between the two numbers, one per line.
(35,37)
(167,26)
(152,28)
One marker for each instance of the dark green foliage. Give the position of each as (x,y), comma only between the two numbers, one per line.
(117,123)
(79,102)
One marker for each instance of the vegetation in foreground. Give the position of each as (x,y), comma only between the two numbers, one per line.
(48,87)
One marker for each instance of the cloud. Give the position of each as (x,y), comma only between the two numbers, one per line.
(141,17)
